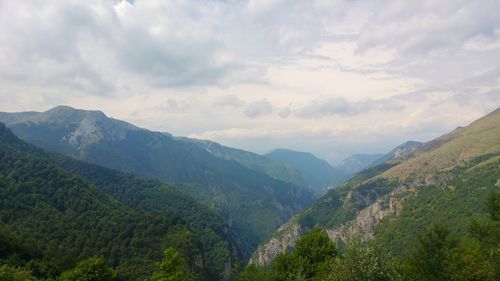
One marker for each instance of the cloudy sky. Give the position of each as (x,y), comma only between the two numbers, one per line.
(332,77)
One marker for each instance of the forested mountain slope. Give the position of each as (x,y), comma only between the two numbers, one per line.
(55,211)
(275,169)
(442,181)
(317,173)
(253,204)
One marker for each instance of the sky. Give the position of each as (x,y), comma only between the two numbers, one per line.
(331,77)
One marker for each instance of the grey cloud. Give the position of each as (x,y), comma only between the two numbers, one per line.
(171,63)
(44,50)
(258,108)
(419,27)
(228,101)
(339,106)
(285,112)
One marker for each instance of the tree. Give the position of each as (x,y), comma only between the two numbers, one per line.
(173,267)
(364,263)
(311,256)
(9,273)
(92,269)
(253,273)
(479,258)
(432,256)
(289,267)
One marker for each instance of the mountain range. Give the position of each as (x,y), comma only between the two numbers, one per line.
(77,183)
(253,203)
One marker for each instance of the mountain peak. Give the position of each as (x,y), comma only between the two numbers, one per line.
(67,114)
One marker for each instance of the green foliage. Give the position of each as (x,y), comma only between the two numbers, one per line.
(307,260)
(453,202)
(92,269)
(314,248)
(431,258)
(479,258)
(364,263)
(255,203)
(9,273)
(471,260)
(55,211)
(253,273)
(437,255)
(173,267)
(493,205)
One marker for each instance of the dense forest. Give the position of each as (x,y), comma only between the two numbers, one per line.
(253,203)
(56,211)
(438,254)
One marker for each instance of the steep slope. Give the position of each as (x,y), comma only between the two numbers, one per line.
(62,210)
(358,162)
(253,204)
(441,181)
(317,173)
(275,169)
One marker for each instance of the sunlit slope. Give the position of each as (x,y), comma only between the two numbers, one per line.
(480,137)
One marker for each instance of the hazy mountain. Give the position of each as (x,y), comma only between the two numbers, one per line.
(275,169)
(318,173)
(443,181)
(56,210)
(401,151)
(358,162)
(253,203)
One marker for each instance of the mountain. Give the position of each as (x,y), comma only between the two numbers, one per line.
(253,204)
(56,211)
(358,162)
(401,151)
(443,181)
(275,169)
(318,173)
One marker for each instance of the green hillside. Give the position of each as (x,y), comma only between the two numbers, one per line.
(442,182)
(275,169)
(318,173)
(55,211)
(253,204)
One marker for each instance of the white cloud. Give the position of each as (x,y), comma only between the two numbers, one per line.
(333,77)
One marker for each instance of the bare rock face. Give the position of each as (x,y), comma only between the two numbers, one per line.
(95,126)
(287,237)
(362,227)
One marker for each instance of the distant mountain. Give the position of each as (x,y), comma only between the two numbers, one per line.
(443,181)
(253,203)
(318,173)
(56,210)
(358,162)
(401,151)
(275,169)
